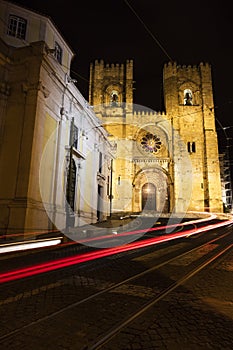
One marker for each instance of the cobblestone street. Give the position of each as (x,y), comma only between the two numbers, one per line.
(58,310)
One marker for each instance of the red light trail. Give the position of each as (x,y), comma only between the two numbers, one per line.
(80,258)
(158,228)
(212,216)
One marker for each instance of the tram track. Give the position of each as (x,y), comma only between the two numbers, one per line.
(104,339)
(165,290)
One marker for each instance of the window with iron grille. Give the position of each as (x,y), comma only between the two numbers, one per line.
(58,52)
(17,27)
(100,162)
(75,137)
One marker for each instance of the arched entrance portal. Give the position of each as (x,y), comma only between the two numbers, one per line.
(151,190)
(148,197)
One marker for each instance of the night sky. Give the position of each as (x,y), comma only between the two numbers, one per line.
(189,32)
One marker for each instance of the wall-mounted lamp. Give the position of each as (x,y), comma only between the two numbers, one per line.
(84,134)
(70,80)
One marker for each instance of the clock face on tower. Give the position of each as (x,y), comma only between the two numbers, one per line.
(150,143)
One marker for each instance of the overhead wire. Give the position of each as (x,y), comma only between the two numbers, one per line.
(157,41)
(24,41)
(149,31)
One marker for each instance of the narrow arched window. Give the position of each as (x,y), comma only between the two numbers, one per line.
(114,98)
(188,97)
(191,147)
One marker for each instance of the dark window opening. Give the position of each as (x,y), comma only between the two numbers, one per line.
(108,187)
(114,98)
(58,52)
(75,137)
(191,147)
(17,27)
(100,162)
(188,97)
(71,185)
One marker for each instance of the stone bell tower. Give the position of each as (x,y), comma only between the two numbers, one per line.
(188,97)
(111,95)
(111,85)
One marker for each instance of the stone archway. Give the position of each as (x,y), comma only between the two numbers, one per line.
(151,190)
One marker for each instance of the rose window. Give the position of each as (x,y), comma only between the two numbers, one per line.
(151,143)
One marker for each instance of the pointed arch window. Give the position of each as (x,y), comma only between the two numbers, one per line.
(188,97)
(114,98)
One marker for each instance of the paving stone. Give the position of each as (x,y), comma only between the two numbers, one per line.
(196,315)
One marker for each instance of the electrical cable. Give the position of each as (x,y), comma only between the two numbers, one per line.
(149,31)
(86,80)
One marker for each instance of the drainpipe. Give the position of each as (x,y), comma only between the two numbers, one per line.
(110,196)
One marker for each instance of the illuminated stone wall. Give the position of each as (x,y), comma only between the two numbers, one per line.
(183,167)
(162,161)
(195,123)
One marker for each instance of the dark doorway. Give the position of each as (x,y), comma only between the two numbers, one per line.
(70,194)
(100,203)
(148,197)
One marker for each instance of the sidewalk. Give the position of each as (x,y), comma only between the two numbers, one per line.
(104,228)
(112,226)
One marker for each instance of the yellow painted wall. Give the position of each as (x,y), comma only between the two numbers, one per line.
(49,150)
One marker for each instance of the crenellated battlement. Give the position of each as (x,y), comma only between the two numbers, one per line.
(113,65)
(101,64)
(172,68)
(170,65)
(141,114)
(193,68)
(112,70)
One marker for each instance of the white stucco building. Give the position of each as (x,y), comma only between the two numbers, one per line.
(55,160)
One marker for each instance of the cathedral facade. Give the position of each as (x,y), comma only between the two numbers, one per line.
(65,162)
(164,161)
